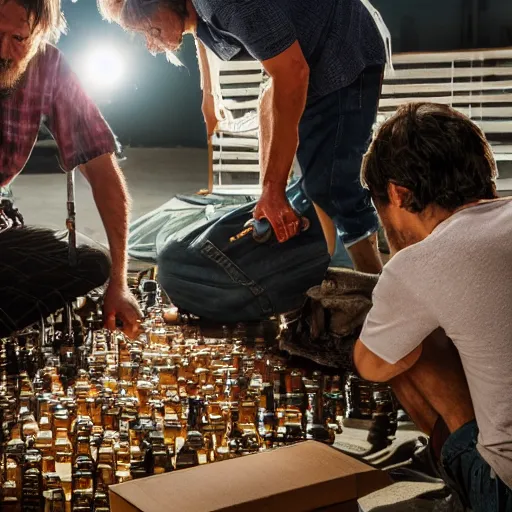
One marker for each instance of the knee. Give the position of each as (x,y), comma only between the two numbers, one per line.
(94,263)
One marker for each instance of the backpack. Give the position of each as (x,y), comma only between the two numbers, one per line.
(216,272)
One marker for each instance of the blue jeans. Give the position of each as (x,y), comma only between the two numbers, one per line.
(334,134)
(474,480)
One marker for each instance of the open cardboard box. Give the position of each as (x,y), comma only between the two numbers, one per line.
(299,478)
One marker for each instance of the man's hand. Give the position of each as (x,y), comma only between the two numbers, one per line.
(121,304)
(274,206)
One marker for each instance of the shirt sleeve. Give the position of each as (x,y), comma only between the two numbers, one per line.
(76,123)
(261,26)
(399,321)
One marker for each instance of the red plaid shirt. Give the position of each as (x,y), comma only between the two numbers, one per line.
(50,92)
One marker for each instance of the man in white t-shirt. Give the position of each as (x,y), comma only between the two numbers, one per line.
(440,328)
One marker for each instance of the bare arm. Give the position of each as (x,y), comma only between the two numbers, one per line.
(281,109)
(208,106)
(371,367)
(113,203)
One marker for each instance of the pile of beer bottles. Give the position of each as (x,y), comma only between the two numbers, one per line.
(82,408)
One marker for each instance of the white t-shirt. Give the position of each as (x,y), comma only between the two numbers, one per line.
(460,279)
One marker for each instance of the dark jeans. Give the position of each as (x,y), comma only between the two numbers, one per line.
(334,133)
(479,488)
(36,278)
(216,274)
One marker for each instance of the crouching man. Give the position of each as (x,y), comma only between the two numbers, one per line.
(36,277)
(440,328)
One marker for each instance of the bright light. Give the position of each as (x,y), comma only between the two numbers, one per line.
(104,68)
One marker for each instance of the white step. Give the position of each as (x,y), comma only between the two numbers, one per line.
(504,185)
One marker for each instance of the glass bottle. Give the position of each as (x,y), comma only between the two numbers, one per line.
(63,460)
(83,482)
(54,500)
(32,481)
(106,465)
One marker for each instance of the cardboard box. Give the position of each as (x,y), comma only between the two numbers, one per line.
(299,478)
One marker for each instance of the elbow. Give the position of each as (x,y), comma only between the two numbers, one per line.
(302,75)
(372,374)
(301,80)
(294,86)
(361,361)
(367,365)
(375,376)
(368,373)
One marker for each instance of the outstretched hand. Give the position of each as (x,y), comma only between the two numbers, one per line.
(121,304)
(274,207)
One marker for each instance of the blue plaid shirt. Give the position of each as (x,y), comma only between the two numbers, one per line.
(339,38)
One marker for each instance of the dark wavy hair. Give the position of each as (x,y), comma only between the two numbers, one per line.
(46,15)
(436,153)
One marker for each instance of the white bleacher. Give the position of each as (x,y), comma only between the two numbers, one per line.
(235,145)
(477,83)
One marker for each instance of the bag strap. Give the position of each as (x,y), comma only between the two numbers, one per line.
(238,276)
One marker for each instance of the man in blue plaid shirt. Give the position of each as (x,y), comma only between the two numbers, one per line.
(326,61)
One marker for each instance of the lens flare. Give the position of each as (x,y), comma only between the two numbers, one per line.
(104,68)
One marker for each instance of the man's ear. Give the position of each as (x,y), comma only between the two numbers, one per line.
(398,195)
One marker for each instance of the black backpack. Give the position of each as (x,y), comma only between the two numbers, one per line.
(219,272)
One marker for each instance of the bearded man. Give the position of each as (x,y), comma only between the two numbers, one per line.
(440,327)
(326,62)
(36,84)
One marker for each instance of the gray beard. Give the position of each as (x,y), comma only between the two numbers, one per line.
(9,91)
(5,92)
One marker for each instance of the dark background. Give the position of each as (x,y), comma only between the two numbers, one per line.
(158,104)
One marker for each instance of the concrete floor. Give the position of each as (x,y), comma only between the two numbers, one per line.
(153,176)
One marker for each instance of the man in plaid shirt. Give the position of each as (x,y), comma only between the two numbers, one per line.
(36,85)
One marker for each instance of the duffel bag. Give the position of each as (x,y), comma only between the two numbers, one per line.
(220,272)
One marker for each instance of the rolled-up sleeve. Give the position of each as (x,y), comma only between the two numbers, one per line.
(76,123)
(261,26)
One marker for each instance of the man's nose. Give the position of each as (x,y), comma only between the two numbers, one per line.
(4,47)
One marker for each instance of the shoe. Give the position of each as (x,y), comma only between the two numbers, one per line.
(424,461)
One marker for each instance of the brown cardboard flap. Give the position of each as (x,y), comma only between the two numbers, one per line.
(301,477)
(119,504)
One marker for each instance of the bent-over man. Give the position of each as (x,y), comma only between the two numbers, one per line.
(326,62)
